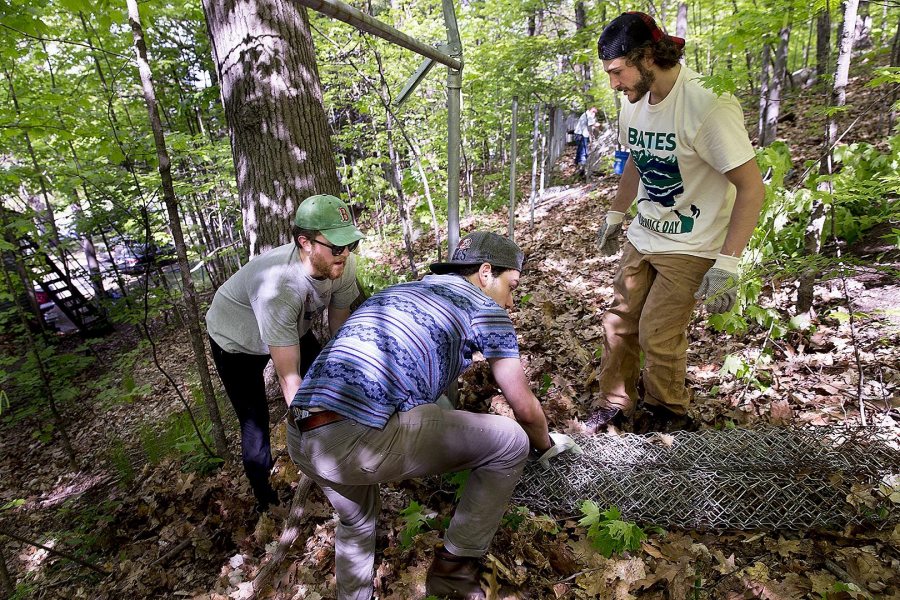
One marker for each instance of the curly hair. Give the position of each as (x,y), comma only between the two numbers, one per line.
(665,53)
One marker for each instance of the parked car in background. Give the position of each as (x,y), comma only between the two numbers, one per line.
(42,299)
(134,257)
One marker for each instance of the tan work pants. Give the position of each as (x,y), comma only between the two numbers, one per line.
(652,306)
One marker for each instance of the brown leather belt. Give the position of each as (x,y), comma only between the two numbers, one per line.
(318,419)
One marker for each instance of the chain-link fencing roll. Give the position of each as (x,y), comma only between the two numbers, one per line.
(770,478)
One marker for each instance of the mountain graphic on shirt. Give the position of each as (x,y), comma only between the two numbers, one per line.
(661,177)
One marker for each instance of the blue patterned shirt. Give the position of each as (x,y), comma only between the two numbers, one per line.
(403,347)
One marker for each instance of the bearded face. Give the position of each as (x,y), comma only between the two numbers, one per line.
(325,264)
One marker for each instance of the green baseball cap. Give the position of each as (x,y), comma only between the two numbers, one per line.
(330,216)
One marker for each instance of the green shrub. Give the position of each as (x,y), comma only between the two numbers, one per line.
(607,532)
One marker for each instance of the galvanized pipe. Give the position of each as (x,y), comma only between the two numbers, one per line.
(343,12)
(513,147)
(454,100)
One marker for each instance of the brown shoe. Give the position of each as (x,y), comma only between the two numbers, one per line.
(603,416)
(451,576)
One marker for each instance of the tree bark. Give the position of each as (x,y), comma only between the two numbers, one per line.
(46,384)
(7,585)
(87,243)
(536,142)
(165,174)
(819,211)
(269,83)
(681,21)
(776,85)
(765,79)
(580,25)
(38,171)
(823,44)
(895,62)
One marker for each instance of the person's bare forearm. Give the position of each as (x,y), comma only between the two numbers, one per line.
(289,386)
(535,425)
(286,360)
(511,378)
(627,190)
(748,202)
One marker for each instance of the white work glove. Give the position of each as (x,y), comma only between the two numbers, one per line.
(561,443)
(608,236)
(718,290)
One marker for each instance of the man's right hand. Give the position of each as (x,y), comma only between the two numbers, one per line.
(561,443)
(608,236)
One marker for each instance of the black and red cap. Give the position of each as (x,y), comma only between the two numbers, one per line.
(629,31)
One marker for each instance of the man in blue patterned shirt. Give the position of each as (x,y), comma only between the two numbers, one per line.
(366,412)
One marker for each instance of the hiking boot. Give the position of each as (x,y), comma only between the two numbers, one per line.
(663,419)
(603,416)
(451,576)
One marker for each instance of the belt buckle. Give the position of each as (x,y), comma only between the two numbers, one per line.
(299,413)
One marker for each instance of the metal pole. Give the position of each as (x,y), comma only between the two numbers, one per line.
(454,85)
(512,169)
(363,22)
(454,100)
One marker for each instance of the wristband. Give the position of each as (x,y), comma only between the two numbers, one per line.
(614,217)
(727,263)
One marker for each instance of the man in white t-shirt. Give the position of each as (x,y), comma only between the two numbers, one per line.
(693,173)
(265,311)
(584,131)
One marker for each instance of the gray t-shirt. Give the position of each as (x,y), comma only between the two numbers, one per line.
(271,301)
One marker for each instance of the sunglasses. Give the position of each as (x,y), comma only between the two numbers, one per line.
(338,250)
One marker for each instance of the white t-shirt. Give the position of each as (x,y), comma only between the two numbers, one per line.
(681,148)
(585,122)
(271,301)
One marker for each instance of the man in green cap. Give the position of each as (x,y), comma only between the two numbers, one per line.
(265,311)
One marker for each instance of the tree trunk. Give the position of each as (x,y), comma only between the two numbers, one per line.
(895,62)
(819,212)
(87,244)
(681,21)
(580,25)
(7,585)
(776,84)
(50,218)
(535,159)
(765,79)
(165,174)
(46,385)
(823,44)
(862,34)
(272,97)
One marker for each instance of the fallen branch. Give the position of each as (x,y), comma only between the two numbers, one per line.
(187,541)
(288,536)
(55,552)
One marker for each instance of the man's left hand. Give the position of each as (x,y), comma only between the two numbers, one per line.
(561,443)
(718,290)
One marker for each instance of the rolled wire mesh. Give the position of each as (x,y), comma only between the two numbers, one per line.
(770,478)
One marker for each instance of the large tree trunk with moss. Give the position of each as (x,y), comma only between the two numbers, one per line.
(272,96)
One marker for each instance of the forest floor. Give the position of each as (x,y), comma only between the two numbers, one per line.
(151,527)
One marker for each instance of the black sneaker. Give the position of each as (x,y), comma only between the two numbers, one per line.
(603,416)
(663,419)
(451,576)
(269,499)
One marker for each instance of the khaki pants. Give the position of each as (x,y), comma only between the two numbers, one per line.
(652,306)
(348,461)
